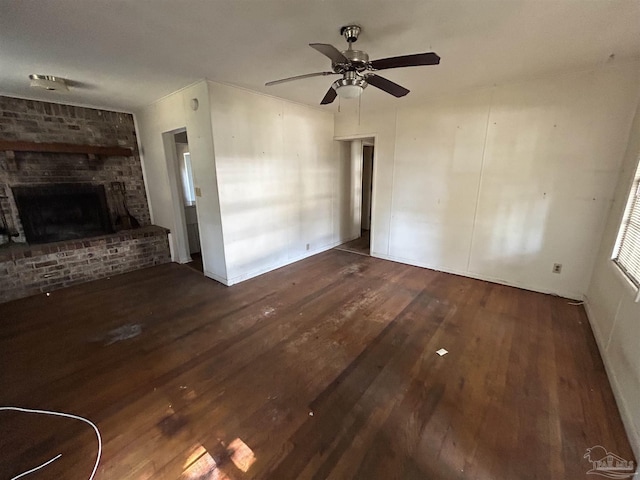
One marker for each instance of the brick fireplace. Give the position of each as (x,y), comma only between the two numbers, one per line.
(71,191)
(56,212)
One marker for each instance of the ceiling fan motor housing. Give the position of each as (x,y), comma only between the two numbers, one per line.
(358,59)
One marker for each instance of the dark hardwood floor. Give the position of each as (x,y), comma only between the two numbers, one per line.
(326,368)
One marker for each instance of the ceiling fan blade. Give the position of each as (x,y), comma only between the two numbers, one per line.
(330,51)
(299,77)
(329,97)
(387,85)
(406,61)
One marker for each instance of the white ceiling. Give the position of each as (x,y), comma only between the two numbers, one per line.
(125,54)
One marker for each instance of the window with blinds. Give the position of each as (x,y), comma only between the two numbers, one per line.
(627,251)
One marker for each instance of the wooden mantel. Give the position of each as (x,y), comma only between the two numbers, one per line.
(18,146)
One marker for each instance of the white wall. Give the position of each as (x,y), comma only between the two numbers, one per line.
(155,124)
(151,122)
(275,186)
(613,314)
(281,179)
(367,175)
(354,215)
(501,183)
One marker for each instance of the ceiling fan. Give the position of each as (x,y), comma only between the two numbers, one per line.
(357,70)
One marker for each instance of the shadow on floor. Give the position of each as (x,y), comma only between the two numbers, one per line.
(360,245)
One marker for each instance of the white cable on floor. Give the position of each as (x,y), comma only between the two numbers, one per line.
(59,414)
(24,474)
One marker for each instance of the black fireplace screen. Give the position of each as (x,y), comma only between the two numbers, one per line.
(56,212)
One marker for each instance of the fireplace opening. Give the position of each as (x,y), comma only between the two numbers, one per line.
(65,211)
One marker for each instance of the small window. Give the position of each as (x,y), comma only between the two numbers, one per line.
(187,180)
(627,251)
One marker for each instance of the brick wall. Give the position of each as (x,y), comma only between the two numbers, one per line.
(33,121)
(44,268)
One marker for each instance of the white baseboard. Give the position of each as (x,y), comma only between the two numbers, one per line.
(274,266)
(534,288)
(215,277)
(625,413)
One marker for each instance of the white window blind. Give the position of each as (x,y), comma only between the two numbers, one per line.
(627,251)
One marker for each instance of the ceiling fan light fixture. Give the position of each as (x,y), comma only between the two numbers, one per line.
(48,82)
(351,86)
(349,91)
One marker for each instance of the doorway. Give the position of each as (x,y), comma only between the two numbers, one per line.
(188,196)
(365,151)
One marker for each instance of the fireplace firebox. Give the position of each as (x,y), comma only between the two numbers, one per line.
(65,211)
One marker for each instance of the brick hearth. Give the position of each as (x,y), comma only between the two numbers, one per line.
(43,268)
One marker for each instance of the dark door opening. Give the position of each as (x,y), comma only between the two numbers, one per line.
(362,244)
(188,191)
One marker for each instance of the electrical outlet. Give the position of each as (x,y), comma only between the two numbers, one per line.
(198,192)
(557,268)
(308,245)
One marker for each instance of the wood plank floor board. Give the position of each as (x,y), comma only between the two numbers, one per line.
(220,381)
(466,416)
